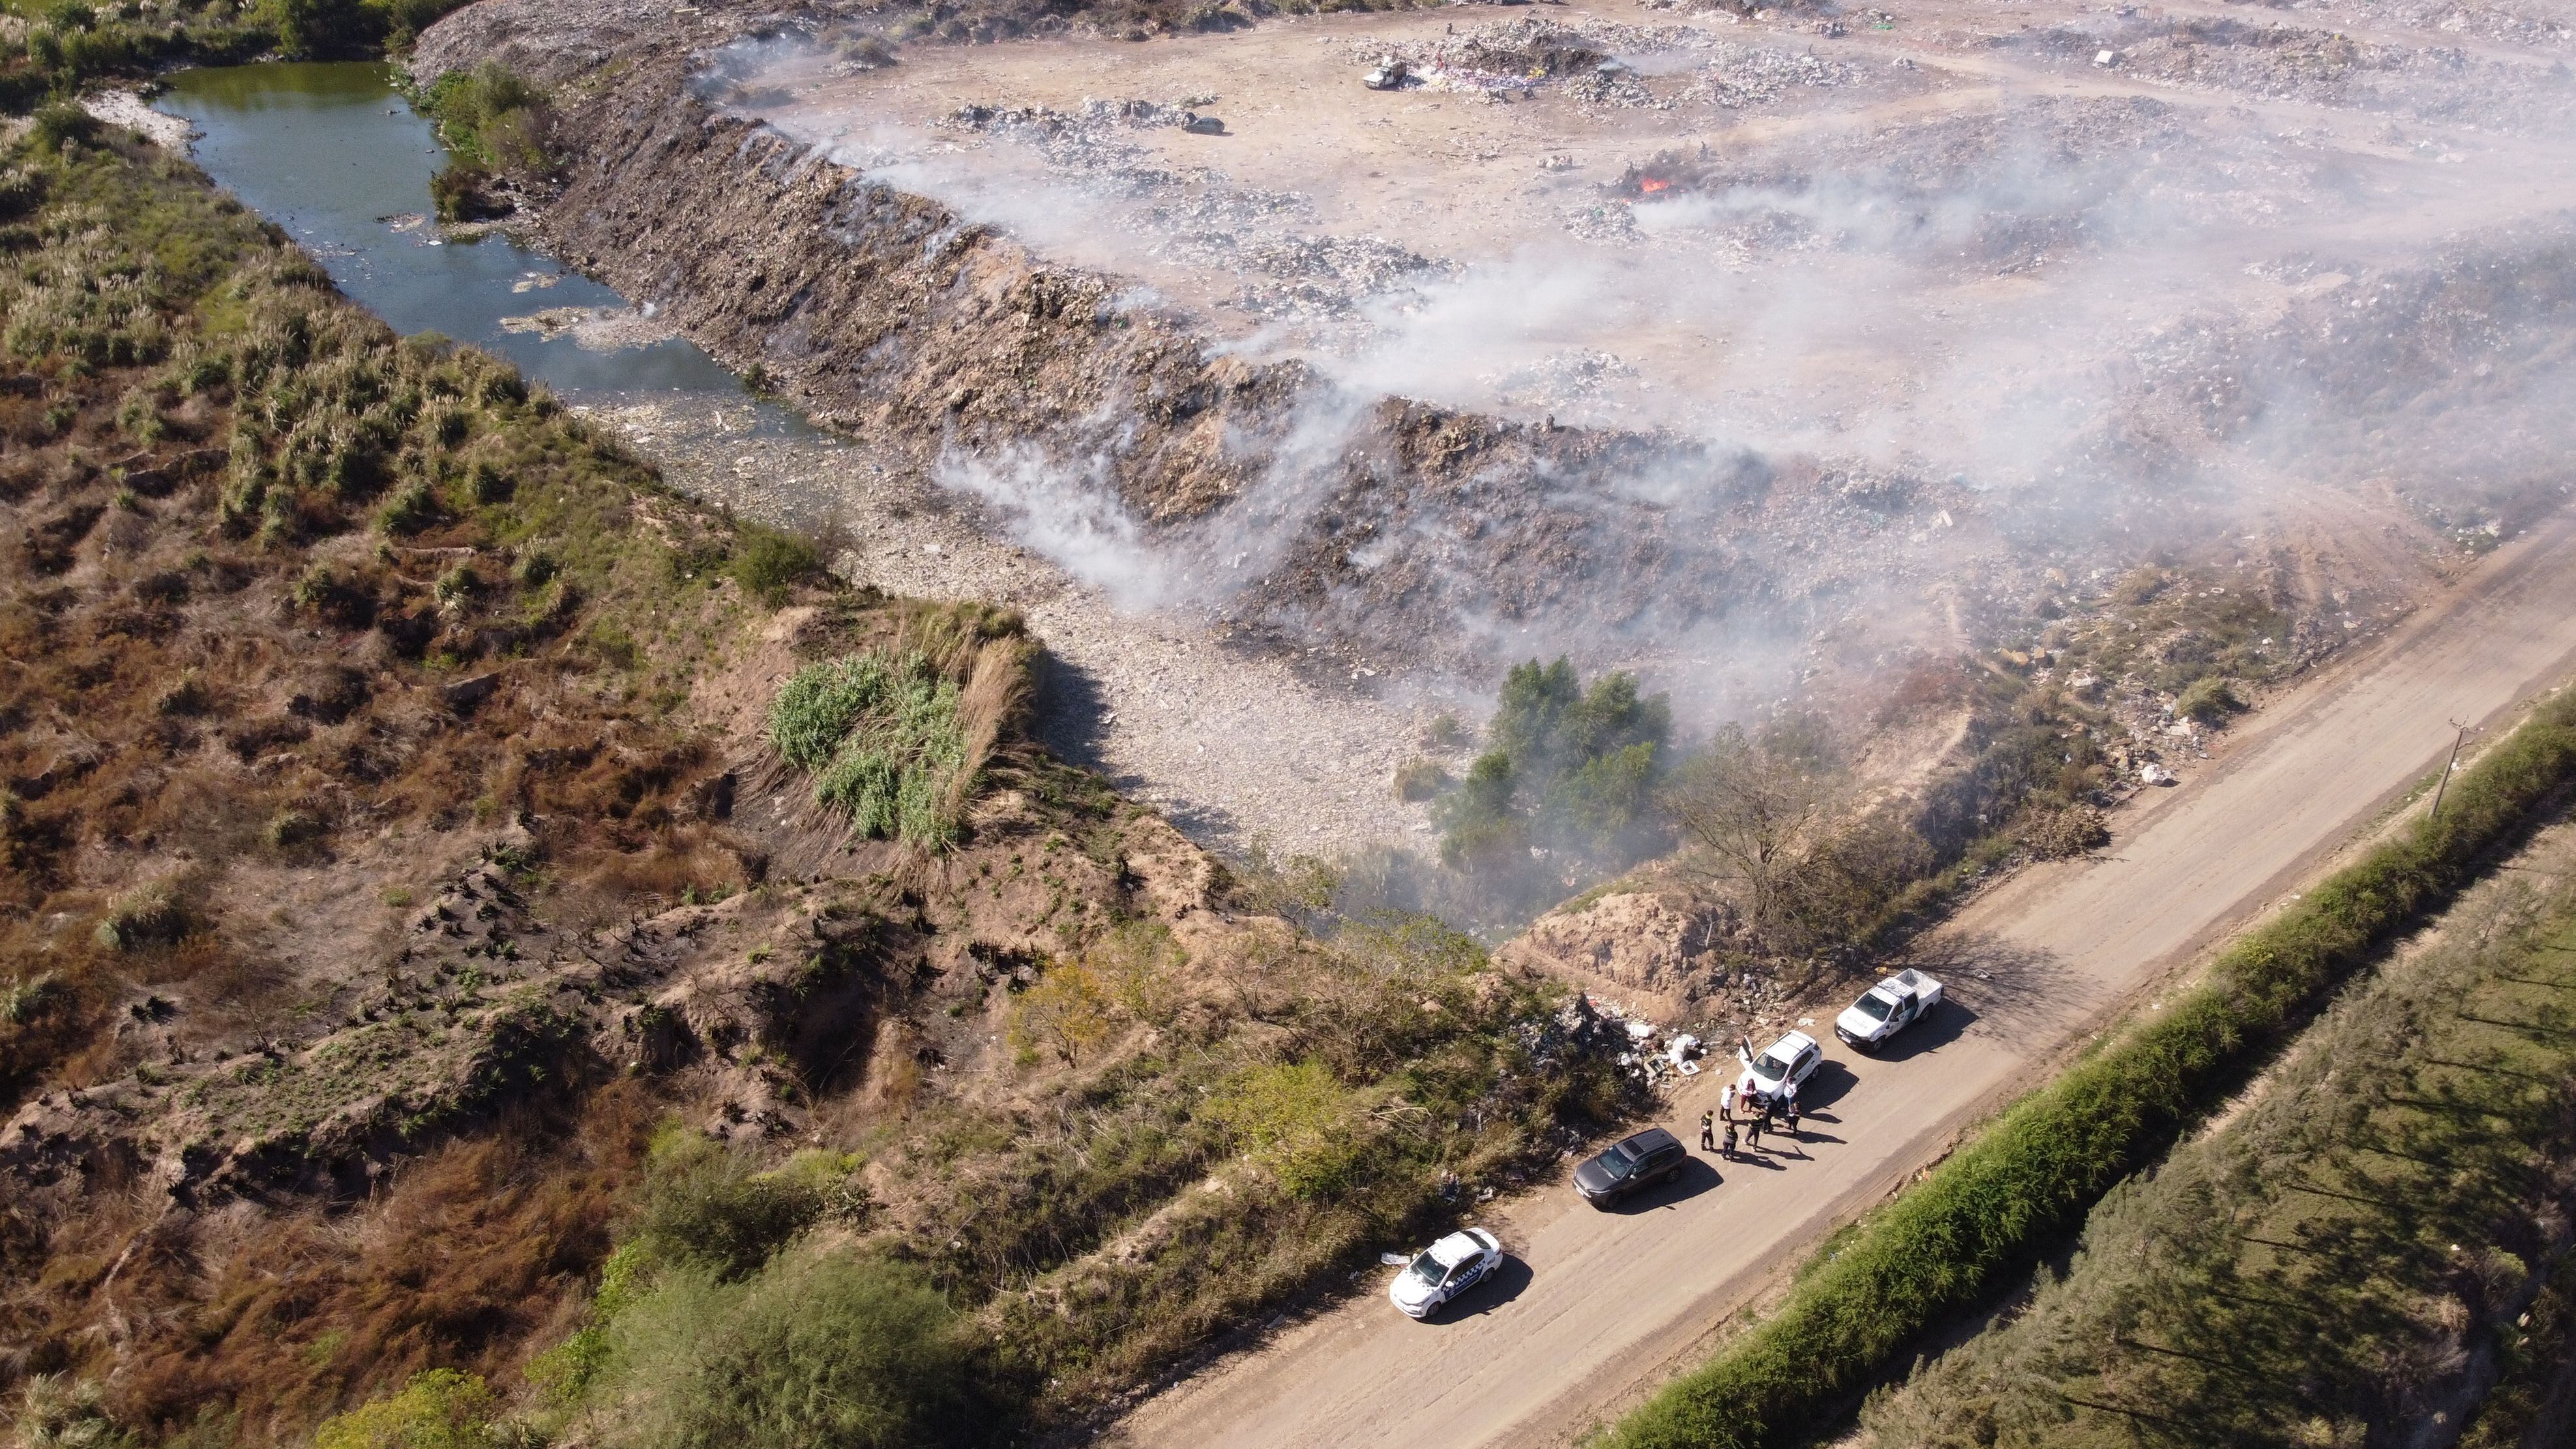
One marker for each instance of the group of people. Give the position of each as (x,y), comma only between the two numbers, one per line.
(1763,1113)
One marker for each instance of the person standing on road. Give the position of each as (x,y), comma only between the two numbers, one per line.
(1707,1131)
(1729,1153)
(1726,1101)
(1753,1132)
(1791,1118)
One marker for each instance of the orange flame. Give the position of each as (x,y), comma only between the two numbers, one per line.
(1650,185)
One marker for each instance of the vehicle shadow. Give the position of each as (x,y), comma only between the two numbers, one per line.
(1824,1086)
(2007,981)
(1948,1022)
(1505,1284)
(1696,1176)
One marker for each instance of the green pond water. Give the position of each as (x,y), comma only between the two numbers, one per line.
(332,153)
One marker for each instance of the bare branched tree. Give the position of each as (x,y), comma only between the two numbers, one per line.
(1749,807)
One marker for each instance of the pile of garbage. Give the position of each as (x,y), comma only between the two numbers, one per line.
(1509,57)
(1652,1055)
(1327,276)
(1561,380)
(1575,1029)
(1735,76)
(1604,221)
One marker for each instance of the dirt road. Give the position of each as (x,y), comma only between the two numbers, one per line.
(1597,1308)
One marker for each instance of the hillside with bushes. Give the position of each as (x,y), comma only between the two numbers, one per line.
(494,945)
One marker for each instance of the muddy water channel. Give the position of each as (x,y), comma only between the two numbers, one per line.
(1230,746)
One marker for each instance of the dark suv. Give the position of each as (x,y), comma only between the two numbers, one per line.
(1650,1157)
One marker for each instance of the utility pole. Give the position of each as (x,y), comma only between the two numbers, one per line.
(2457,740)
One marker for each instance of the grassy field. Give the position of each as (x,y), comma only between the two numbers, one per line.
(2356,1250)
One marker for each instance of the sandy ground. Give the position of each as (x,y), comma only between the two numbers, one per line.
(1598,1308)
(127,109)
(1229,745)
(1488,241)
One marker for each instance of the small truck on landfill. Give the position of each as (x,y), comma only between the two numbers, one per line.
(1888,1008)
(1390,74)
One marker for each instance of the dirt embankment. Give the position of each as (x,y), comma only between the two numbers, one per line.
(1381,532)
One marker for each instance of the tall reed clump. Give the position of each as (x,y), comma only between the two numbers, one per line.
(896,737)
(1943,1244)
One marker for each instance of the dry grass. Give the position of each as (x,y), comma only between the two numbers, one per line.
(229,742)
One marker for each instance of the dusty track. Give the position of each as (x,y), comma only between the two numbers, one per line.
(1601,1306)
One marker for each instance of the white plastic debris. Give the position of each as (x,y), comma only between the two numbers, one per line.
(2106,58)
(2155,774)
(1393,1260)
(1640,1030)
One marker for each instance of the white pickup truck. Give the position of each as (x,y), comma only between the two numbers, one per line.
(1888,1008)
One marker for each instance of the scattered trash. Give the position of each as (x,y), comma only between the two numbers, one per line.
(2106,58)
(1198,125)
(1393,1260)
(2155,774)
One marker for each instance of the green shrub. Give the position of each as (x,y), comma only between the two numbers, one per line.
(881,736)
(1941,1244)
(150,915)
(55,1413)
(63,121)
(837,1348)
(2209,699)
(1569,766)
(492,119)
(439,1409)
(1477,824)
(293,830)
(412,508)
(1420,779)
(1296,1119)
(456,586)
(715,1208)
(767,562)
(23,1001)
(462,191)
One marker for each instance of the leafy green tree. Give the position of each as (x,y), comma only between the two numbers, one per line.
(1569,768)
(1477,823)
